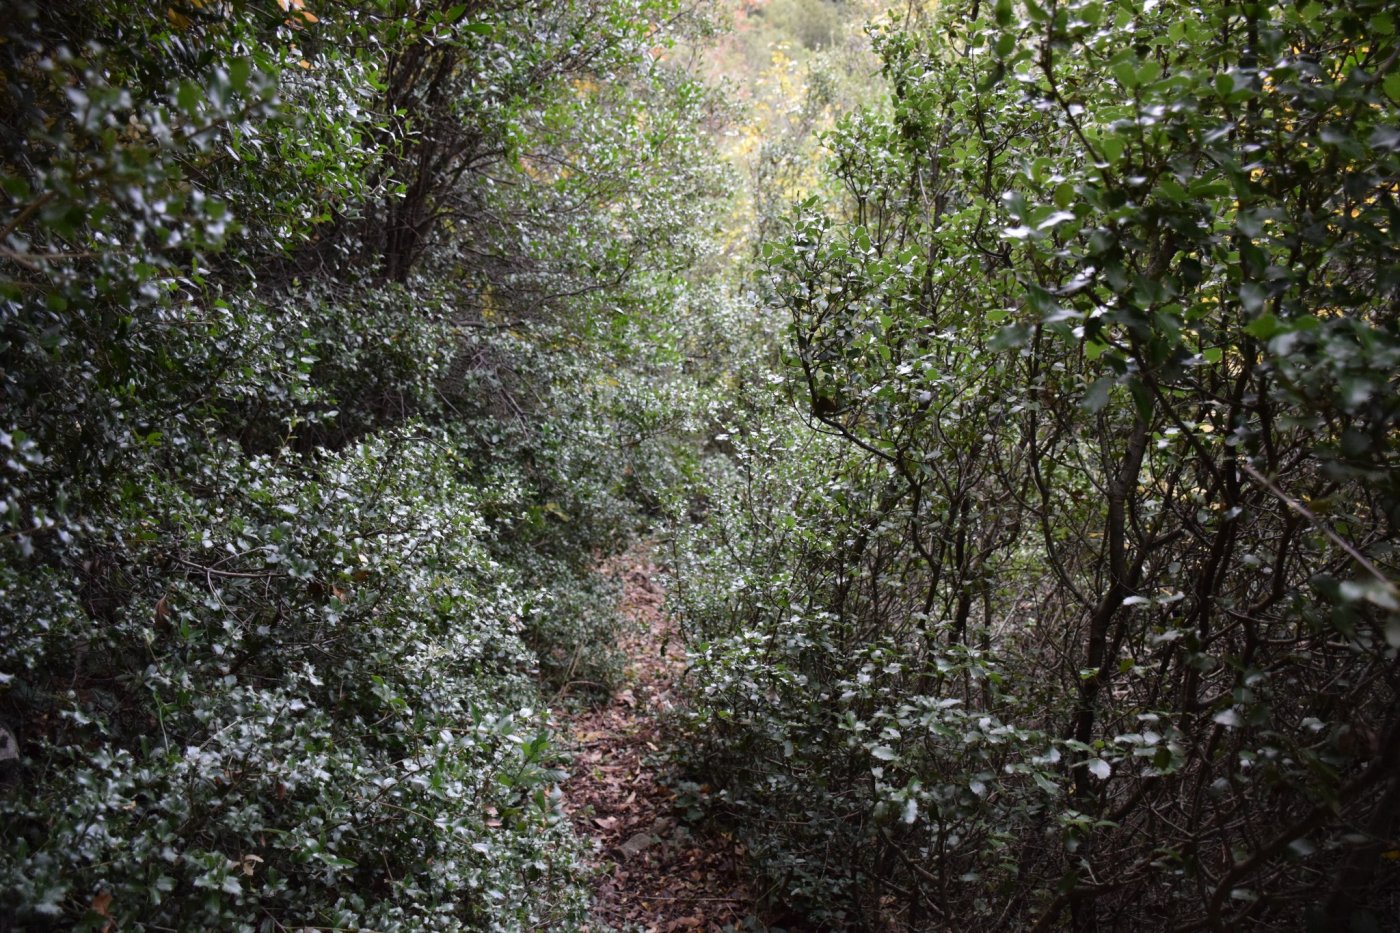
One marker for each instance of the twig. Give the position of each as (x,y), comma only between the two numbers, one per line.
(578,683)
(1321,526)
(261,575)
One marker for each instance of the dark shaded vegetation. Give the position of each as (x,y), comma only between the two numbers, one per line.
(1070,602)
(336,343)
(1040,575)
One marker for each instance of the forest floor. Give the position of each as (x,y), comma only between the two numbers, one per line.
(655,873)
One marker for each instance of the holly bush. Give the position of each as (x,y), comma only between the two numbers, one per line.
(315,421)
(1055,586)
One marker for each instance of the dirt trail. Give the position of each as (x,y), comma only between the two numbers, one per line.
(657,874)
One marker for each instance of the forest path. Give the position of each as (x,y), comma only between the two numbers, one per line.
(656,874)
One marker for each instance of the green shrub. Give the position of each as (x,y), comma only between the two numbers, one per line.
(1073,603)
(300,500)
(309,705)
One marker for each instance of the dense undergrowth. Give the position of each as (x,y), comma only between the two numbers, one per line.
(1030,483)
(1052,584)
(337,343)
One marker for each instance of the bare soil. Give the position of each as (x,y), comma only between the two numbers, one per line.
(656,874)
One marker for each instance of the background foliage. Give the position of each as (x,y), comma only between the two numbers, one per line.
(1066,596)
(1040,573)
(337,342)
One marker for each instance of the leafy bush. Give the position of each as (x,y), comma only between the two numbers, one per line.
(300,498)
(1084,612)
(311,707)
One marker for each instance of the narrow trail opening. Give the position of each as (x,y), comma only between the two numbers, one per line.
(655,872)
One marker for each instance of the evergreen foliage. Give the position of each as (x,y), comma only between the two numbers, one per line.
(1069,599)
(1032,521)
(336,342)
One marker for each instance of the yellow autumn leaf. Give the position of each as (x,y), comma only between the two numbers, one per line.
(178,19)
